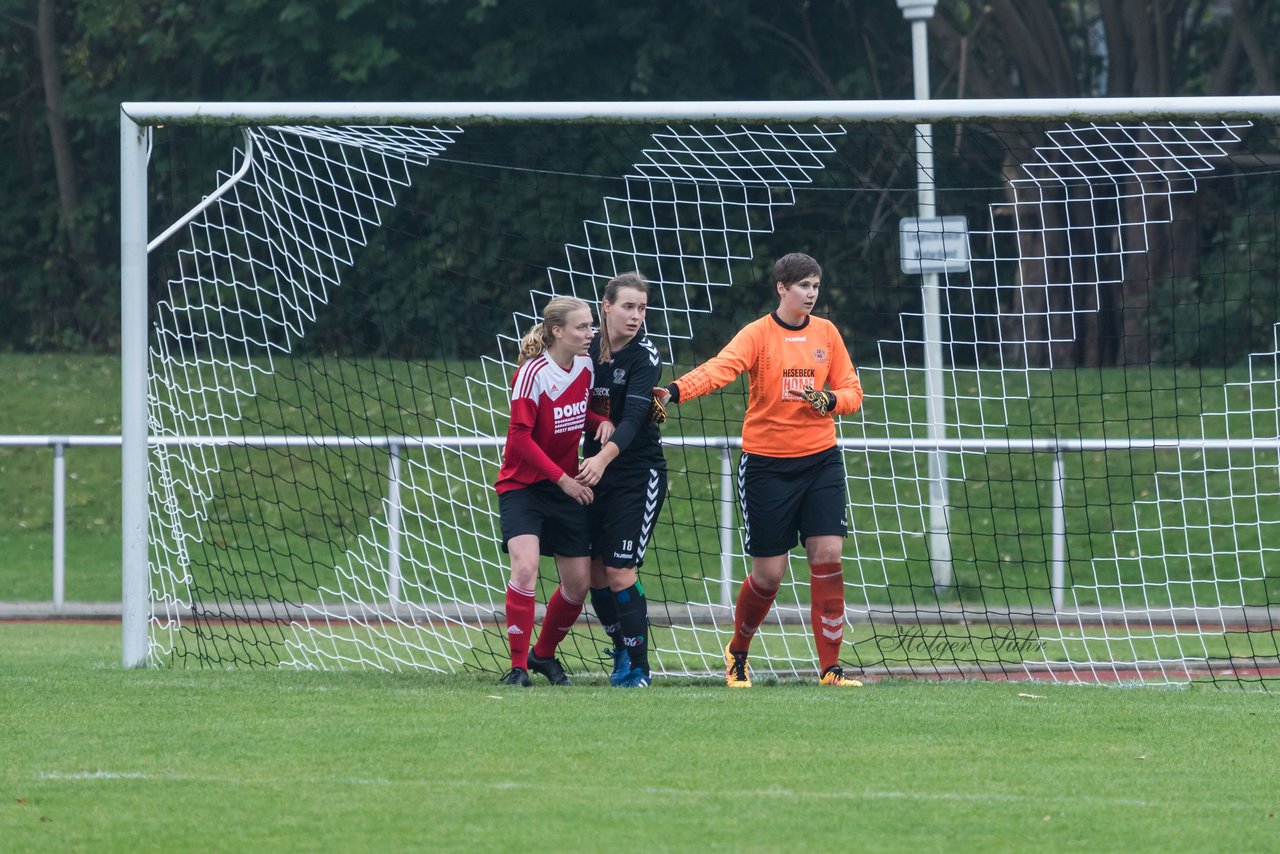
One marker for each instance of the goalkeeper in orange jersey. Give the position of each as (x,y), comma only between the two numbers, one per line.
(791,479)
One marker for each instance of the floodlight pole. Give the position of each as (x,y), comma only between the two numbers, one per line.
(134,567)
(918,12)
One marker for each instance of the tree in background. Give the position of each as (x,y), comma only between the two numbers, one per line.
(65,65)
(1113,48)
(70,65)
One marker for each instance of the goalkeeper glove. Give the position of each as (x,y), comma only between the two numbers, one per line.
(657,412)
(821,401)
(662,395)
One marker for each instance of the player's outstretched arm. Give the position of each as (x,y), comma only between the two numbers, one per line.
(721,369)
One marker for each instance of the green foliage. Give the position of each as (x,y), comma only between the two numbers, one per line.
(133,50)
(1229,308)
(57,292)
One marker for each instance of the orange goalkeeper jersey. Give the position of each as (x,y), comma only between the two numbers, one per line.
(780,361)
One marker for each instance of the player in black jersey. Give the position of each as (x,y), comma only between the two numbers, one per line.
(628,474)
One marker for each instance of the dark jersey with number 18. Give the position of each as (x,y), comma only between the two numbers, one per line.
(622,392)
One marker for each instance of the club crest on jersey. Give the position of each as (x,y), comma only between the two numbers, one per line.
(619,374)
(820,355)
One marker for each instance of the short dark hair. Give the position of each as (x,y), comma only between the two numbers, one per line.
(793,267)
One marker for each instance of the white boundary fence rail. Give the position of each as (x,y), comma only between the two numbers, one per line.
(59,443)
(726,498)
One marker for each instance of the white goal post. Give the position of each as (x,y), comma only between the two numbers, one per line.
(1156,600)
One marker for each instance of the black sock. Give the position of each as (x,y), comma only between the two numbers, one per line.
(607,613)
(633,623)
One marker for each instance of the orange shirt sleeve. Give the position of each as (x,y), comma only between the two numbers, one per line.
(738,355)
(781,361)
(843,378)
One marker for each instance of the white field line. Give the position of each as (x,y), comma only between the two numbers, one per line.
(1048,799)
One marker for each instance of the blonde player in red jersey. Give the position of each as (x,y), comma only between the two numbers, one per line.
(791,479)
(542,507)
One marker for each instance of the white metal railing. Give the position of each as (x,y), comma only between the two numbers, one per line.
(59,445)
(396,445)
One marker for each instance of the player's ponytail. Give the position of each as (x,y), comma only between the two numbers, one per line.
(633,280)
(533,343)
(539,336)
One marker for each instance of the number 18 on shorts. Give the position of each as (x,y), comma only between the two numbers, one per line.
(623,515)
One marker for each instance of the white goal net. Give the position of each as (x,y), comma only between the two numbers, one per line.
(333,328)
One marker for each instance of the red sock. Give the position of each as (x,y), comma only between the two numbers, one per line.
(753,607)
(826,609)
(519,624)
(562,613)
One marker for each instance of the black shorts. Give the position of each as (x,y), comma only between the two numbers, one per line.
(786,501)
(560,523)
(624,513)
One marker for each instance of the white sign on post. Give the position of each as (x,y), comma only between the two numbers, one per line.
(935,245)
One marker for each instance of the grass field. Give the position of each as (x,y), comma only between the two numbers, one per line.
(99,759)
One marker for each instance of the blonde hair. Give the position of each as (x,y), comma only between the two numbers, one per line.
(632,280)
(539,336)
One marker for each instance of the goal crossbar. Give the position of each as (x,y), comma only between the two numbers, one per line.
(612,112)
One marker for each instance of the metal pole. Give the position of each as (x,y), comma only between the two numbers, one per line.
(918,12)
(135,569)
(726,527)
(239,114)
(1058,563)
(393,524)
(59,525)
